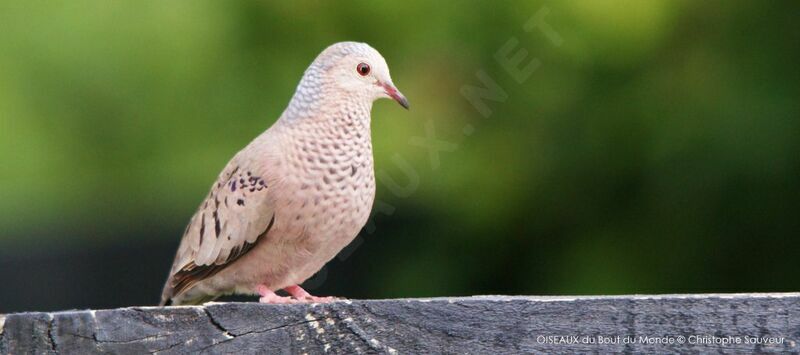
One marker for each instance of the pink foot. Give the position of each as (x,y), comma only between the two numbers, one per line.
(299,294)
(267,296)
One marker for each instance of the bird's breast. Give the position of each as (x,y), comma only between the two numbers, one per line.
(333,184)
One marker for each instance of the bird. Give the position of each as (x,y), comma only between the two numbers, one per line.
(296,195)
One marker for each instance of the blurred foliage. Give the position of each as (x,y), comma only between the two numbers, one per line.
(655,150)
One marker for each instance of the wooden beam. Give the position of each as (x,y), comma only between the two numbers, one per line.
(730,323)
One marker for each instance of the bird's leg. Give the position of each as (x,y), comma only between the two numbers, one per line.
(301,295)
(267,296)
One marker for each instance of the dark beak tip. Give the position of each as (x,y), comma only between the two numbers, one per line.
(403,102)
(396,95)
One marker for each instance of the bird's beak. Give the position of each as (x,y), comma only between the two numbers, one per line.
(395,94)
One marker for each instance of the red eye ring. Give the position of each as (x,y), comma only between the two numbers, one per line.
(363,69)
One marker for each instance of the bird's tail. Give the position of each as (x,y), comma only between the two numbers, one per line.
(168,299)
(166,296)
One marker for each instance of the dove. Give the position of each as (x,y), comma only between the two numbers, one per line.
(291,199)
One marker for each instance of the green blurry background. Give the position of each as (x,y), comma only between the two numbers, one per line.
(655,150)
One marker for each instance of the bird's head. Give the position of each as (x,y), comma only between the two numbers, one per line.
(352,69)
(359,69)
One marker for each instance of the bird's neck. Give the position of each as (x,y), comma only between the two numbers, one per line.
(340,135)
(330,106)
(331,118)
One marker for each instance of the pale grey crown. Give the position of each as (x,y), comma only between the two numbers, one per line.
(314,83)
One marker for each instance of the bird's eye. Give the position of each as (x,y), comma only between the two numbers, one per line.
(363,69)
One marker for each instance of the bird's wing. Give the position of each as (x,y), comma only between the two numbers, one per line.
(236,213)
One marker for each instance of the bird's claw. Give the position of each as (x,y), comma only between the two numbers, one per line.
(315,299)
(298,295)
(302,296)
(277,300)
(269,297)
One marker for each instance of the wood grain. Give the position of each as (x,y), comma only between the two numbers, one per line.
(467,325)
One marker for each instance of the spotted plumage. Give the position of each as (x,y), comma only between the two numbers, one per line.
(296,195)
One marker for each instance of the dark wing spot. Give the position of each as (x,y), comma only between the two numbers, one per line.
(202,227)
(186,231)
(216,224)
(269,226)
(240,202)
(353,168)
(234,171)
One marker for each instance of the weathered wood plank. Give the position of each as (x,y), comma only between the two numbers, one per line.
(473,325)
